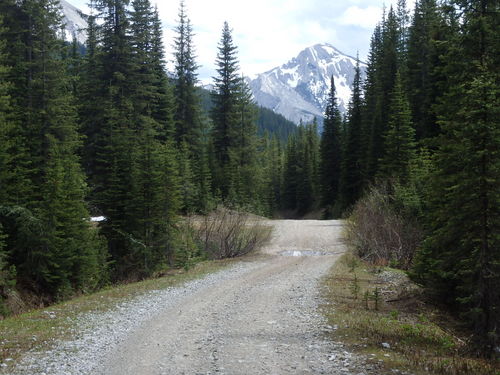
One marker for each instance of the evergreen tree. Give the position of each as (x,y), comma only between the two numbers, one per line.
(6,158)
(224,113)
(243,151)
(399,139)
(301,171)
(403,19)
(352,164)
(189,124)
(330,152)
(6,125)
(271,160)
(186,100)
(423,76)
(90,110)
(384,76)
(163,102)
(51,243)
(371,114)
(460,260)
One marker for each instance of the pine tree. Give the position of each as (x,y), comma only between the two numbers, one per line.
(423,77)
(5,123)
(330,151)
(371,114)
(186,100)
(115,126)
(290,173)
(224,115)
(6,157)
(399,139)
(403,19)
(90,110)
(51,243)
(385,68)
(351,182)
(243,151)
(163,102)
(301,178)
(189,123)
(460,260)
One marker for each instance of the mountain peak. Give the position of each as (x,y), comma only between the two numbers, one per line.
(76,24)
(299,88)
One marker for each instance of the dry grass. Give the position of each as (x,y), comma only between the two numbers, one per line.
(419,340)
(379,233)
(226,233)
(40,328)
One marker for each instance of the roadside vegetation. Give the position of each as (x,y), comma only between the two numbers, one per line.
(39,329)
(378,312)
(206,244)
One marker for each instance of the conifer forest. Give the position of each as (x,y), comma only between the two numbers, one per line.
(103,130)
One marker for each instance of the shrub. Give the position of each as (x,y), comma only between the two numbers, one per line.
(379,230)
(227,234)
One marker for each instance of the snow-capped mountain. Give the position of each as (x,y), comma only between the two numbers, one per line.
(75,24)
(298,90)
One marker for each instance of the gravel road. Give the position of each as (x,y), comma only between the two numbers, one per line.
(257,317)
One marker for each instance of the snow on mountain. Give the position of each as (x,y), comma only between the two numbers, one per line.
(75,24)
(298,90)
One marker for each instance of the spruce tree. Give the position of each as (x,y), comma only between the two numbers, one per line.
(189,124)
(301,178)
(399,139)
(460,260)
(6,157)
(351,182)
(186,99)
(371,114)
(163,102)
(290,173)
(423,75)
(223,113)
(386,65)
(243,151)
(90,110)
(6,125)
(330,151)
(51,242)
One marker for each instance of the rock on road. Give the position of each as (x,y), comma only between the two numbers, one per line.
(259,317)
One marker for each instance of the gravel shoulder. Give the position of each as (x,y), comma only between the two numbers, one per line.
(257,317)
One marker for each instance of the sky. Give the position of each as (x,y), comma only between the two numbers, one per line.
(268,33)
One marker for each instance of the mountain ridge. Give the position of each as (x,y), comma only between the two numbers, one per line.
(76,25)
(299,89)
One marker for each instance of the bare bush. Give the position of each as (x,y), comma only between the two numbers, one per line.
(227,234)
(380,234)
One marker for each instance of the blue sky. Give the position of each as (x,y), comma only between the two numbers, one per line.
(270,32)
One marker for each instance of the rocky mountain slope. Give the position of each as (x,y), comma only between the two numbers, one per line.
(298,90)
(75,23)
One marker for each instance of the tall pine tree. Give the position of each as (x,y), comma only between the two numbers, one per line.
(223,113)
(330,152)
(460,260)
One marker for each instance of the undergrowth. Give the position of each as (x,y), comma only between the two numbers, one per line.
(379,312)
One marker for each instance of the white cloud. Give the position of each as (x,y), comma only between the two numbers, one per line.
(270,32)
(366,18)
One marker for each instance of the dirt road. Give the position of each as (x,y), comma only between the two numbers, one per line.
(261,322)
(259,316)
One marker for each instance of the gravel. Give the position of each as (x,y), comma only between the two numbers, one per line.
(99,333)
(258,317)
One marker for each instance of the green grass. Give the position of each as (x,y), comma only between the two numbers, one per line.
(39,329)
(418,339)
